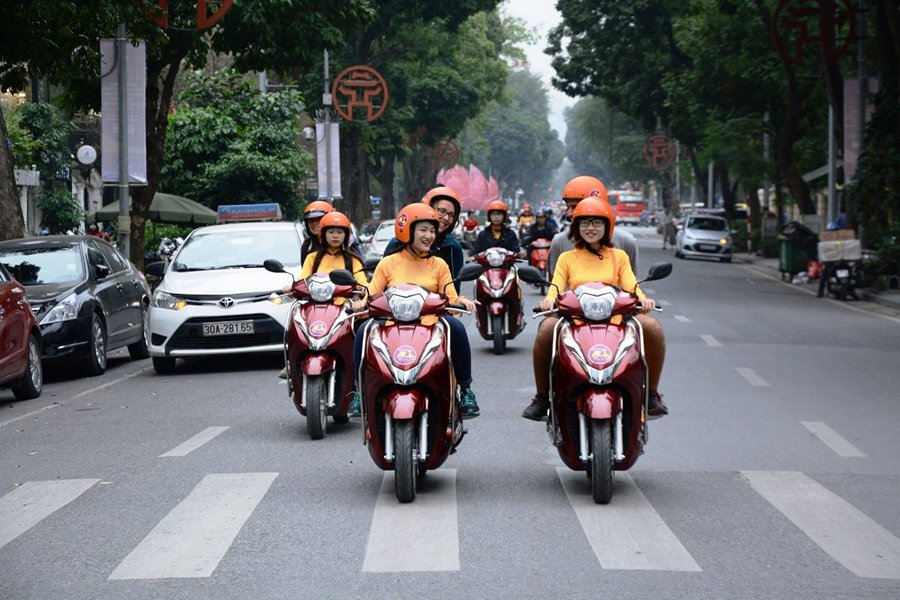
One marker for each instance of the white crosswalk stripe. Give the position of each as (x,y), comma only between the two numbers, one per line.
(195,442)
(627,533)
(833,439)
(422,536)
(30,503)
(192,539)
(849,536)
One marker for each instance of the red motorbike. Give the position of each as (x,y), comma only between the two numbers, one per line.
(537,258)
(318,350)
(499,317)
(598,391)
(410,400)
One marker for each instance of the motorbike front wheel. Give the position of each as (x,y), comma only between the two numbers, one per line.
(497,330)
(316,406)
(406,457)
(601,460)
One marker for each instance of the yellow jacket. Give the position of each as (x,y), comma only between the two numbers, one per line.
(431,273)
(580,266)
(329,263)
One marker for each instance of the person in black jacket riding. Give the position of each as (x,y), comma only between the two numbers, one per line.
(541,228)
(497,232)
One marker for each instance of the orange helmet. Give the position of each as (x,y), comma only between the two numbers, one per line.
(317,209)
(443,193)
(595,207)
(407,218)
(334,219)
(497,205)
(585,186)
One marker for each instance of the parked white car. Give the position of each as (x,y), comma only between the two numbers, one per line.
(216,297)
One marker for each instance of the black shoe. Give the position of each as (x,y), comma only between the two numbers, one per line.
(537,410)
(657,408)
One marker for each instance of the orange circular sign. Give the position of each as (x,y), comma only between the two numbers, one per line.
(359,88)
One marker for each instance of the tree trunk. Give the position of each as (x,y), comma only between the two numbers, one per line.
(418,173)
(385,176)
(354,175)
(12,224)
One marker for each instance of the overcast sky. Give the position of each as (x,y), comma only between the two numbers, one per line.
(542,15)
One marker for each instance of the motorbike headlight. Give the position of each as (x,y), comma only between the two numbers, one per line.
(495,258)
(168,301)
(65,310)
(406,305)
(320,288)
(597,305)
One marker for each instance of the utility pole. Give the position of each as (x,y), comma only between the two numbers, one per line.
(863,90)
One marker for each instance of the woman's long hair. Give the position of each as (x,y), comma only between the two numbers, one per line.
(348,254)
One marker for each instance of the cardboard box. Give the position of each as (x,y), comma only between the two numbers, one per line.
(837,235)
(840,250)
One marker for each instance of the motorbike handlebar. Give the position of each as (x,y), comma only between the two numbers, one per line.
(459,308)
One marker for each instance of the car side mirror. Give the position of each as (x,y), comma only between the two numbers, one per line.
(156,269)
(102,272)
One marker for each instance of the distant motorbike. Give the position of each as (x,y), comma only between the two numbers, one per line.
(599,391)
(318,350)
(538,257)
(499,317)
(412,419)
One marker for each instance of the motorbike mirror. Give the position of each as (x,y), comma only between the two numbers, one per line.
(470,272)
(342,277)
(273,265)
(659,270)
(529,274)
(156,269)
(370,264)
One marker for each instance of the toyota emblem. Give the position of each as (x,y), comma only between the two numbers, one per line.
(226,302)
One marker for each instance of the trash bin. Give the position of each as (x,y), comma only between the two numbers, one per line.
(797,244)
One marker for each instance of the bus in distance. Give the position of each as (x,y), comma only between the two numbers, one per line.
(628,206)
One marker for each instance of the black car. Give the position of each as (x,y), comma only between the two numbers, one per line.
(86,296)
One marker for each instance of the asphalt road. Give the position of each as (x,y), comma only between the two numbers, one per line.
(775,476)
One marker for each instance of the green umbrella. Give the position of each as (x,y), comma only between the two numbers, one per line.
(165,208)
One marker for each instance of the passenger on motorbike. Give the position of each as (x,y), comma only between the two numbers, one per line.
(445,203)
(497,233)
(594,259)
(416,228)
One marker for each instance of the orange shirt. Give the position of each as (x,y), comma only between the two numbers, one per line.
(431,273)
(579,266)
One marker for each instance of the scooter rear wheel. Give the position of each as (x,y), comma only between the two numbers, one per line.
(316,406)
(406,458)
(601,460)
(497,331)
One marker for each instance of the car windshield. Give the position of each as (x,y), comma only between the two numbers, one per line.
(238,249)
(384,234)
(707,224)
(42,266)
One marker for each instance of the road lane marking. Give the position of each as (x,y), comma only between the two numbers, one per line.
(682,318)
(75,397)
(751,376)
(711,341)
(833,439)
(30,503)
(195,442)
(850,537)
(628,533)
(421,536)
(191,540)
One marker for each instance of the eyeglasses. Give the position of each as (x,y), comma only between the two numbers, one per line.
(595,223)
(442,213)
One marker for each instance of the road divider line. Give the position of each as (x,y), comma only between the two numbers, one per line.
(682,318)
(33,501)
(751,376)
(710,341)
(850,537)
(191,540)
(195,442)
(833,439)
(422,536)
(628,533)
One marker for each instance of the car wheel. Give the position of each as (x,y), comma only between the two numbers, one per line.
(96,361)
(726,259)
(141,348)
(32,381)
(678,254)
(164,364)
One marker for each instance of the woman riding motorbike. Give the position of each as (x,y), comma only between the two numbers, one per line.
(312,217)
(497,232)
(416,228)
(593,259)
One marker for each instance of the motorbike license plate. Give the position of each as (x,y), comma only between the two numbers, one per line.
(842,273)
(228,328)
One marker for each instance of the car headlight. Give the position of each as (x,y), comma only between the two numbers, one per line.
(495,259)
(597,305)
(276,298)
(65,310)
(724,241)
(168,301)
(321,289)
(406,305)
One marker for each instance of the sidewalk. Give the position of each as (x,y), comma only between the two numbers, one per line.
(889,298)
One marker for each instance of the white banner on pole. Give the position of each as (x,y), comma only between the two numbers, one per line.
(136,70)
(323,148)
